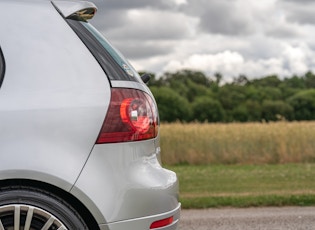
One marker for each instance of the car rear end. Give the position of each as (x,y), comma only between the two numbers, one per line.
(89,121)
(133,190)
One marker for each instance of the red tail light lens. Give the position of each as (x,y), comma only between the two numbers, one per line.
(132,116)
(162,223)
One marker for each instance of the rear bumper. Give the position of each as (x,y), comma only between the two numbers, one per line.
(145,222)
(124,184)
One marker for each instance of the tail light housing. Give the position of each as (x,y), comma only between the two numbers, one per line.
(132,116)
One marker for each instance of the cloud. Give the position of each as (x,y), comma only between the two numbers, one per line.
(226,61)
(298,57)
(300,12)
(150,24)
(108,5)
(256,38)
(127,4)
(283,31)
(299,1)
(291,60)
(230,64)
(110,19)
(302,16)
(218,16)
(143,33)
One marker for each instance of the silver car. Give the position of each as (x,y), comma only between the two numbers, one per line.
(79,129)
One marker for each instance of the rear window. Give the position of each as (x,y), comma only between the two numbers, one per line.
(111,60)
(2,67)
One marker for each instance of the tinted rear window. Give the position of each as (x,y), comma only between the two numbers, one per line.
(2,67)
(111,60)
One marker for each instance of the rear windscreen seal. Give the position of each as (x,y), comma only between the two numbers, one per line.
(2,67)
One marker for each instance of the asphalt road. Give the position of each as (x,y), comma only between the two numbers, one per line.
(285,218)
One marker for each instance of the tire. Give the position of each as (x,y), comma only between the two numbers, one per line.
(34,209)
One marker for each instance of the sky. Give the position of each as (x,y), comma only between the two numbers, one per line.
(231,37)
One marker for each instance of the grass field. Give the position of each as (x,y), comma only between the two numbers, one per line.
(205,186)
(238,143)
(242,164)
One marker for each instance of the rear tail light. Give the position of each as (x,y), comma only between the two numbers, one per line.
(132,116)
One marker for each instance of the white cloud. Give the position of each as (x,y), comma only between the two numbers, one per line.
(264,67)
(226,62)
(297,57)
(292,60)
(256,38)
(177,2)
(230,64)
(180,2)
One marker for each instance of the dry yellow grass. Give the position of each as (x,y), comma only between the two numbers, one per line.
(238,143)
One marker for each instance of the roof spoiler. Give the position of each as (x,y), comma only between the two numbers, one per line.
(77,10)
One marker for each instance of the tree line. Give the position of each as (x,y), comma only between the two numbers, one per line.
(189,95)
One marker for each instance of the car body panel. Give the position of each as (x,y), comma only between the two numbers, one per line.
(145,222)
(131,178)
(50,112)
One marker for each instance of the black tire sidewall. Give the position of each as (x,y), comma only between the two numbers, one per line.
(46,201)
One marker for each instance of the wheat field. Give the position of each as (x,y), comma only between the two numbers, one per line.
(238,143)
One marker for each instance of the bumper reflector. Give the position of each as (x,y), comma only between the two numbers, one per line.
(162,223)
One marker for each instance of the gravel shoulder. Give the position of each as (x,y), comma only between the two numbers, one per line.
(273,218)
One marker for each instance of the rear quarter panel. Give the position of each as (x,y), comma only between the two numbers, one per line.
(53,99)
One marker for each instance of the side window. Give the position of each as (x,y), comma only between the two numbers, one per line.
(2,67)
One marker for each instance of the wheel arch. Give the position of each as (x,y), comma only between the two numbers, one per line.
(66,196)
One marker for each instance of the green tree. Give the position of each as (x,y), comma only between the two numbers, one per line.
(186,75)
(276,110)
(309,79)
(303,104)
(196,90)
(240,113)
(269,93)
(187,83)
(218,78)
(294,82)
(241,80)
(254,110)
(271,81)
(203,98)
(231,96)
(171,105)
(207,109)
